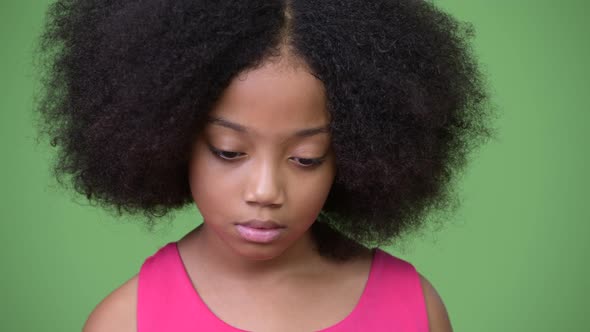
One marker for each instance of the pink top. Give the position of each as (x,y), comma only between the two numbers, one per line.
(167,301)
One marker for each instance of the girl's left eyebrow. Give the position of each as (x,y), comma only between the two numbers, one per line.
(312,131)
(243,129)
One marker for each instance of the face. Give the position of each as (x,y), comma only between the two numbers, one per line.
(262,167)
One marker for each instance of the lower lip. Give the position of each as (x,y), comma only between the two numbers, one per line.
(259,235)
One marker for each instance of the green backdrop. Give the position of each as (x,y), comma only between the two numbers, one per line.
(513,258)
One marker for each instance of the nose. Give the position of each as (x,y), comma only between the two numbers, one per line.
(264,186)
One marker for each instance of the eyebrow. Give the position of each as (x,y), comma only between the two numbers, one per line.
(243,129)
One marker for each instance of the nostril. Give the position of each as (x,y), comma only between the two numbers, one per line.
(270,198)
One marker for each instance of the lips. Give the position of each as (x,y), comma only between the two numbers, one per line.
(260,224)
(259,231)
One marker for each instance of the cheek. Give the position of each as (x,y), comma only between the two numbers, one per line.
(208,186)
(309,194)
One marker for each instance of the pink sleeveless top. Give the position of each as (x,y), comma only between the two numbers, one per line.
(167,301)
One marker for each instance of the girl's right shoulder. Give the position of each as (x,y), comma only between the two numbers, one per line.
(117,312)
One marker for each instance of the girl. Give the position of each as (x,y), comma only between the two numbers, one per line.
(306,132)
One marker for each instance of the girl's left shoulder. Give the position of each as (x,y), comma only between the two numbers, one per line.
(438,318)
(402,277)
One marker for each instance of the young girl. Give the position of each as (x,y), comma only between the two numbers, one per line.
(306,132)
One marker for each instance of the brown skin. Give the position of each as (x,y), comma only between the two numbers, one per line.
(266,170)
(262,115)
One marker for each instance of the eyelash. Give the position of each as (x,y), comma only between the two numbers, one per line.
(308,162)
(313,162)
(224,154)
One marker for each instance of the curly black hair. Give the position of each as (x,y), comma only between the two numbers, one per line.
(127,86)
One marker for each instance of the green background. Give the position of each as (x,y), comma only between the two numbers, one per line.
(513,258)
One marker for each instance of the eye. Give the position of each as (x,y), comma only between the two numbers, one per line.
(307,162)
(226,155)
(230,155)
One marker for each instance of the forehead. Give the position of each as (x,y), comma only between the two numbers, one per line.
(275,97)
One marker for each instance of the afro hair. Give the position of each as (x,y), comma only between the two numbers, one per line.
(127,85)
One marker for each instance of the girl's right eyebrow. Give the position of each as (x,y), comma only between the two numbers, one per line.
(307,132)
(228,124)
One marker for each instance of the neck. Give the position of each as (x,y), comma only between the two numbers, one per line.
(211,253)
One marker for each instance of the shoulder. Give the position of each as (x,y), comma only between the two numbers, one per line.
(402,272)
(438,319)
(117,312)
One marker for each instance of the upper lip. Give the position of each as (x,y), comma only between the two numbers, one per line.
(261,224)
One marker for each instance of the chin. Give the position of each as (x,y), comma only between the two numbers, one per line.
(258,252)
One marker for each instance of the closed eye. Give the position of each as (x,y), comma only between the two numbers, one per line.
(226,155)
(307,162)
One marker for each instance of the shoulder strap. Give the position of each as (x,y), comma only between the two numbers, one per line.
(394,300)
(166,298)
